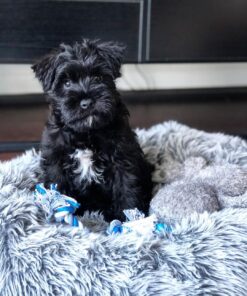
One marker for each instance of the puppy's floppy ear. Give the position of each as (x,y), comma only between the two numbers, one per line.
(44,70)
(113,53)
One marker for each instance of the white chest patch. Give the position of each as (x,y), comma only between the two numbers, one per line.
(86,170)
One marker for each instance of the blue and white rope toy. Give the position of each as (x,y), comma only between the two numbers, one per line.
(61,208)
(57,206)
(138,223)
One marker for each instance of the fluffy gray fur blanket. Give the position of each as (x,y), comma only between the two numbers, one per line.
(206,254)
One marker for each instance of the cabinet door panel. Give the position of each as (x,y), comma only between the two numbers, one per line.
(29,28)
(198,30)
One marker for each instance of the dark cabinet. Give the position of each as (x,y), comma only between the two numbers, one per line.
(154,31)
(29,28)
(198,30)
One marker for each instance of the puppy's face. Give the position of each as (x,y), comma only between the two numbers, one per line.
(79,81)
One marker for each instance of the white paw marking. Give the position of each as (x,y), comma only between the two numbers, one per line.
(86,170)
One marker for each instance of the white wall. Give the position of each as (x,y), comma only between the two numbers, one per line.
(19,79)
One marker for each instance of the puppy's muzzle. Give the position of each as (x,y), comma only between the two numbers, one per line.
(85,103)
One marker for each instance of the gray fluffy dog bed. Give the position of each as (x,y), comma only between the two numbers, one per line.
(205,255)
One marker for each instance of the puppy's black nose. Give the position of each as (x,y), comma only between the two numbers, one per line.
(85,103)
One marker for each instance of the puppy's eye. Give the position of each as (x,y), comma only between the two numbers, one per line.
(67,83)
(99,78)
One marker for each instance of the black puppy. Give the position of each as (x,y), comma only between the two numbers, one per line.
(88,147)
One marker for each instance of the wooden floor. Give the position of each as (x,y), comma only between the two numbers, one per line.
(26,123)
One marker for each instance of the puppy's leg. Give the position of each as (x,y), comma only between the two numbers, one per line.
(53,172)
(127,193)
(54,175)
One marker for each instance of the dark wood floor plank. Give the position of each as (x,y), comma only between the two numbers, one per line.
(22,124)
(26,124)
(8,156)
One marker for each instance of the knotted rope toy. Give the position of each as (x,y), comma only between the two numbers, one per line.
(138,223)
(57,206)
(61,208)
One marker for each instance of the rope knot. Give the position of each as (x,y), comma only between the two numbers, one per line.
(57,206)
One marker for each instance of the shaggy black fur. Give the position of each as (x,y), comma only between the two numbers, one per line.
(87,115)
